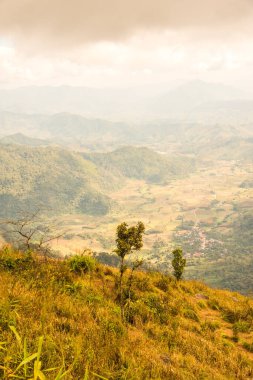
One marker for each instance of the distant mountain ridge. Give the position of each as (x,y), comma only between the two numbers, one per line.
(64,129)
(82,134)
(21,139)
(189,101)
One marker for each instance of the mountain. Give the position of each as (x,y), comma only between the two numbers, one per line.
(69,319)
(21,139)
(66,129)
(142,163)
(106,103)
(204,102)
(80,133)
(195,100)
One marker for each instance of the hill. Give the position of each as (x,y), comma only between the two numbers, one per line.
(205,137)
(71,182)
(21,139)
(65,129)
(51,178)
(69,323)
(142,163)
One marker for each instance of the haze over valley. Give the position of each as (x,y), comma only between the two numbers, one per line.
(185,169)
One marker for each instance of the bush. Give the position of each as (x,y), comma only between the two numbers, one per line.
(248,346)
(163,283)
(242,326)
(143,283)
(210,325)
(191,314)
(82,264)
(15,263)
(213,304)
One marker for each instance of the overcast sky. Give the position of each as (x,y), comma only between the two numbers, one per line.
(125,42)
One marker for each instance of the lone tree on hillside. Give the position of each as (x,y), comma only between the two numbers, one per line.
(178,263)
(29,231)
(129,239)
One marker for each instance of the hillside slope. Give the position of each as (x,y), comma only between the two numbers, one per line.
(70,182)
(21,139)
(142,163)
(173,330)
(48,177)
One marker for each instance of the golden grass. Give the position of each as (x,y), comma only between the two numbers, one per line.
(58,324)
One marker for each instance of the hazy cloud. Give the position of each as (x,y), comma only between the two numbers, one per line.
(125,42)
(74,22)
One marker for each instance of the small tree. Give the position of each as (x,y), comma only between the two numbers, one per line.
(178,263)
(129,239)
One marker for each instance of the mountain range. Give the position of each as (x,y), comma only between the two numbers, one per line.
(192,101)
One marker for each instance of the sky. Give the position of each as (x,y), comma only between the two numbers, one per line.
(124,43)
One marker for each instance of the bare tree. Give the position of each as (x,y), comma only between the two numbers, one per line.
(29,231)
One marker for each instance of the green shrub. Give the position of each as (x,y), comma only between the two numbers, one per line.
(16,264)
(248,346)
(82,264)
(138,312)
(72,289)
(213,304)
(242,326)
(210,325)
(143,284)
(230,316)
(202,305)
(191,314)
(163,283)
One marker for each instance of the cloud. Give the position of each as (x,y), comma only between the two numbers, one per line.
(124,42)
(67,23)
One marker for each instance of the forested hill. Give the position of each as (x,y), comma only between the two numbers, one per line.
(143,163)
(66,181)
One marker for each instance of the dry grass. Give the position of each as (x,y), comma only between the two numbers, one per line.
(173,330)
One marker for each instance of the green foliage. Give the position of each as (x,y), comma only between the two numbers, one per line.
(69,182)
(191,314)
(142,163)
(210,325)
(95,204)
(82,264)
(248,346)
(242,326)
(15,262)
(129,239)
(178,263)
(163,283)
(62,180)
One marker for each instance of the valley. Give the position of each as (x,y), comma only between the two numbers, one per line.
(188,179)
(199,213)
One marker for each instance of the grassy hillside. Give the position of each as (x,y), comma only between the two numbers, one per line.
(71,322)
